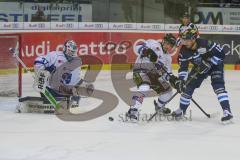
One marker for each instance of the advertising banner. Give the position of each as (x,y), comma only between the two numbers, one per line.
(42,12)
(230,44)
(217,15)
(100,44)
(105,44)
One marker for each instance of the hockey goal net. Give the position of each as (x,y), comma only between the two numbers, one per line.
(10,69)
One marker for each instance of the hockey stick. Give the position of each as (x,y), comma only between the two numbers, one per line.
(192,77)
(44,91)
(199,107)
(174,95)
(189,80)
(207,114)
(162,106)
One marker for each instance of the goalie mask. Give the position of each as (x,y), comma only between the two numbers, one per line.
(70,49)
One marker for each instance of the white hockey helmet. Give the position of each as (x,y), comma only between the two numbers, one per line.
(70,49)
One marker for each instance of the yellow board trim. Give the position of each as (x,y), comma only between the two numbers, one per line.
(107,67)
(8,71)
(229,67)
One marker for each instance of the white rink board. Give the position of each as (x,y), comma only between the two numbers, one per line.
(39,136)
(111,26)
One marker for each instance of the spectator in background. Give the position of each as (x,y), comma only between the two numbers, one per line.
(224,3)
(185,25)
(235,3)
(39,16)
(128,10)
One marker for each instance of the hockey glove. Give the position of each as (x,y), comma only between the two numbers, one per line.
(180,85)
(159,65)
(162,70)
(177,83)
(148,52)
(51,69)
(204,67)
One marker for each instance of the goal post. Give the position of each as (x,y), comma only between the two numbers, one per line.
(10,69)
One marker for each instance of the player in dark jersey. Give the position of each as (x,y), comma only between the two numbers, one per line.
(207,59)
(186,24)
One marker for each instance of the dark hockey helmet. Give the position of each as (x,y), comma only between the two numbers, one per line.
(185,15)
(189,34)
(169,38)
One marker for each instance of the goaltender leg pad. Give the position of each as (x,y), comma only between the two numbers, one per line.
(36,105)
(55,94)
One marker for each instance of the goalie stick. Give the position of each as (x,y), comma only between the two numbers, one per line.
(41,88)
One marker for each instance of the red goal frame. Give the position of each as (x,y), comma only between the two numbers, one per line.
(19,71)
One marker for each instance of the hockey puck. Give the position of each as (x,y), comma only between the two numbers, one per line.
(110,119)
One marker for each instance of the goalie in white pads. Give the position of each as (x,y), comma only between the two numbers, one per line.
(63,69)
(147,73)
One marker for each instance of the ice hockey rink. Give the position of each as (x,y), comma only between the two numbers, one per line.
(31,136)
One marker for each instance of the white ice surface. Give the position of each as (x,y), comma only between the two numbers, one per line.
(28,136)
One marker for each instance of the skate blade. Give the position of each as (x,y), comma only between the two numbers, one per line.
(133,121)
(74,106)
(228,122)
(214,115)
(166,114)
(163,114)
